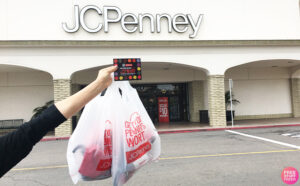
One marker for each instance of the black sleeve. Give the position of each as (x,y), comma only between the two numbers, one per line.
(16,145)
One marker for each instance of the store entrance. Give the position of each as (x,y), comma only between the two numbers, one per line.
(176,95)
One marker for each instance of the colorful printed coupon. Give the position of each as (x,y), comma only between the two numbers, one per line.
(128,69)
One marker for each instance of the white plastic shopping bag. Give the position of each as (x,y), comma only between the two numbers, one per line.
(89,152)
(135,139)
(114,137)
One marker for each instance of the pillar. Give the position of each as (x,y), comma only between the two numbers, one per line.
(62,90)
(216,101)
(296,96)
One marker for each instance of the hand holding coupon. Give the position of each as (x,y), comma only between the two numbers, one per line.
(114,137)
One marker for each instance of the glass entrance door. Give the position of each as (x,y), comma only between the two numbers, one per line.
(177,99)
(174,107)
(150,104)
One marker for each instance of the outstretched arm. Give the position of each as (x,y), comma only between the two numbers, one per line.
(74,103)
(17,145)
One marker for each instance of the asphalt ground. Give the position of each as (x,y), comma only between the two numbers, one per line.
(214,158)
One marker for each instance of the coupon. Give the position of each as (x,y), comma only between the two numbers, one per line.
(128,69)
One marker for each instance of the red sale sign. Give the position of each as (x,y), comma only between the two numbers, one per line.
(163,110)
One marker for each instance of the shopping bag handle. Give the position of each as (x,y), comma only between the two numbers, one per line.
(124,86)
(118,88)
(112,90)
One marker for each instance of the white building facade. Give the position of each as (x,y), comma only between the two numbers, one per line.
(189,50)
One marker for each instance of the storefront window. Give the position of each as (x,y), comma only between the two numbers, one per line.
(177,100)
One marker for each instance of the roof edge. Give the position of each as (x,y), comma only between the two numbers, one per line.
(144,43)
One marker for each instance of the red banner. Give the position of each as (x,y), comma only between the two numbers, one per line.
(163,110)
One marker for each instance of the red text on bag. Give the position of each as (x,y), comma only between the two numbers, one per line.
(108,139)
(134,130)
(133,155)
(104,165)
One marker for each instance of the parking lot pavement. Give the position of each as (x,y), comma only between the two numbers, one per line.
(197,158)
(284,134)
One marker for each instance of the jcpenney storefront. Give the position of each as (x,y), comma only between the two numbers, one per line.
(189,49)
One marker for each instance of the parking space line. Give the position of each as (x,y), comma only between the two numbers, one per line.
(173,158)
(264,139)
(39,168)
(229,154)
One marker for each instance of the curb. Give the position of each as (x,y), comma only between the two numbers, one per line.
(226,128)
(54,138)
(194,130)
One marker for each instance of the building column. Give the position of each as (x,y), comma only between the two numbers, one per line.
(196,99)
(296,96)
(62,90)
(216,101)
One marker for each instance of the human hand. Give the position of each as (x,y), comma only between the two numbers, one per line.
(104,77)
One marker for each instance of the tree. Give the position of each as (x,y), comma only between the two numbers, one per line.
(227,99)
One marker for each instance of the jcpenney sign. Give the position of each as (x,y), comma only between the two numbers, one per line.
(130,23)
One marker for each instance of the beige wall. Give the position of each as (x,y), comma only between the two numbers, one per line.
(21,92)
(223,20)
(196,99)
(261,91)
